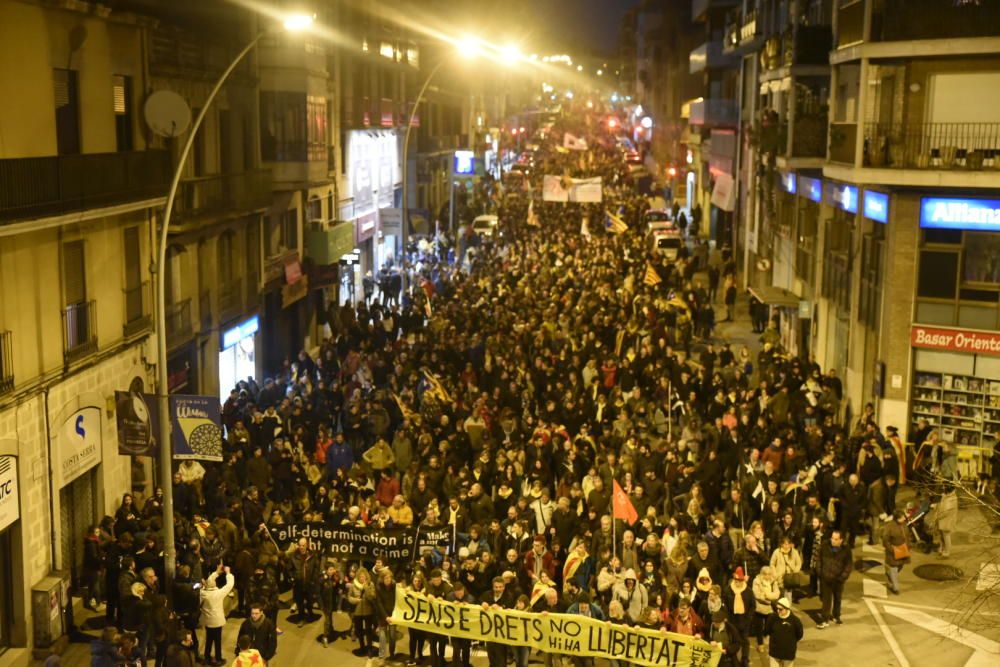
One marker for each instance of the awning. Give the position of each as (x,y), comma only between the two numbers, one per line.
(775,296)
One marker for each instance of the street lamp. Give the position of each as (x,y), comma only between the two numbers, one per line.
(291,23)
(467,47)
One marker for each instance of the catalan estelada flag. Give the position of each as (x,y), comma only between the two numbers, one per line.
(614,224)
(652,278)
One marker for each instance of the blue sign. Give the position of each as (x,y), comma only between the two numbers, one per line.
(787,182)
(876,206)
(811,188)
(236,334)
(972,214)
(465,163)
(843,196)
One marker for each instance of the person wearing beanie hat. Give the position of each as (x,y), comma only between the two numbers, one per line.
(724,635)
(785,631)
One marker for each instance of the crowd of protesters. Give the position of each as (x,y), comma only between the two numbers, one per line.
(511,396)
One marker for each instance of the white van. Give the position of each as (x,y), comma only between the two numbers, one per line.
(667,242)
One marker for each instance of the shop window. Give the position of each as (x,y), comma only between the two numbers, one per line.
(942,236)
(938,275)
(979,259)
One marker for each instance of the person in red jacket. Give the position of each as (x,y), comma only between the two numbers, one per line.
(539,560)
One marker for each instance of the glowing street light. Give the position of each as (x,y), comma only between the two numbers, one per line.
(510,53)
(646,122)
(298,22)
(579,68)
(600,72)
(469,46)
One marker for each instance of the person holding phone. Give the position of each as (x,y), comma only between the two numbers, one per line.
(213,612)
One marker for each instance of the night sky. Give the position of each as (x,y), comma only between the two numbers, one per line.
(578,25)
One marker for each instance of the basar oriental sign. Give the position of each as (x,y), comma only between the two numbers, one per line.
(956,340)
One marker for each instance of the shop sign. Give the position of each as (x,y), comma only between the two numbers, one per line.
(955,340)
(78,445)
(876,206)
(788,182)
(294,292)
(364,227)
(323,275)
(724,192)
(238,333)
(196,427)
(810,188)
(10,510)
(843,196)
(972,214)
(465,163)
(137,418)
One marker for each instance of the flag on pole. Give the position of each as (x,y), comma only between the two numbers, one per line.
(614,224)
(532,216)
(623,508)
(574,143)
(652,278)
(436,388)
(759,491)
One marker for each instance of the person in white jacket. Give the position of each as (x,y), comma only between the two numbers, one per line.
(632,595)
(213,611)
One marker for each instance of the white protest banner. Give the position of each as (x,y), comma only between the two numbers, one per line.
(564,634)
(586,190)
(553,190)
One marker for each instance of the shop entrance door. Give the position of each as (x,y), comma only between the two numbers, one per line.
(6,591)
(76,506)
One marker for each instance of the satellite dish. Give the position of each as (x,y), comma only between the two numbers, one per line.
(167,114)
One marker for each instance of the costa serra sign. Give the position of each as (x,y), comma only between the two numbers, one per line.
(956,340)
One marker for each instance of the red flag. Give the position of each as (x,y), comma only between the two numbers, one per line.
(623,508)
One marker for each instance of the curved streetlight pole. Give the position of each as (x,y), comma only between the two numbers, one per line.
(166,448)
(406,161)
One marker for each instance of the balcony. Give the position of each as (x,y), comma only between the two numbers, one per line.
(714,113)
(230,296)
(79,330)
(701,8)
(221,193)
(178,324)
(710,56)
(905,20)
(137,318)
(6,361)
(809,136)
(42,186)
(843,137)
(810,45)
(743,32)
(969,146)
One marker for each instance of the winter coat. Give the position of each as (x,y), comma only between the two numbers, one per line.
(947,513)
(263,637)
(104,654)
(835,565)
(362,597)
(895,535)
(379,456)
(339,457)
(633,601)
(765,593)
(783,563)
(213,612)
(785,634)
